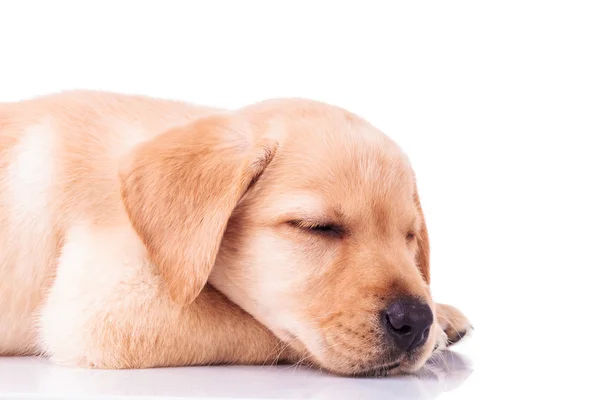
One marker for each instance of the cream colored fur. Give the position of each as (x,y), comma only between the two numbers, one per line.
(120,215)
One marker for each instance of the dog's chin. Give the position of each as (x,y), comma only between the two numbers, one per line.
(404,366)
(395,368)
(407,364)
(400,367)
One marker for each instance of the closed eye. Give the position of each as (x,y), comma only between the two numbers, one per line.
(410,236)
(318,228)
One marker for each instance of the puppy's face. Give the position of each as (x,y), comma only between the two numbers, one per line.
(324,249)
(305,216)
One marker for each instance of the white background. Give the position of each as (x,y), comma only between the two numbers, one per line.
(496,103)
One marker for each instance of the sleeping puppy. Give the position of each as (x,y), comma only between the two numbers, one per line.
(138,232)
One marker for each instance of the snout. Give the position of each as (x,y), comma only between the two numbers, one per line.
(398,339)
(407,323)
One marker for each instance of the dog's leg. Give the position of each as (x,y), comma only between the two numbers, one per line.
(153,332)
(453,323)
(145,333)
(107,308)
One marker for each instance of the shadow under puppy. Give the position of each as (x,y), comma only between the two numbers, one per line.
(140,232)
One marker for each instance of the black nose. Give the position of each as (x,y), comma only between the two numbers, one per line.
(408,322)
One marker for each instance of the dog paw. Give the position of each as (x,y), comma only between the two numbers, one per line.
(441,339)
(453,322)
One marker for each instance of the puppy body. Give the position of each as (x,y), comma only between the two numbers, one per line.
(111,227)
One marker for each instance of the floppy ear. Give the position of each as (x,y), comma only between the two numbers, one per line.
(179,190)
(422,242)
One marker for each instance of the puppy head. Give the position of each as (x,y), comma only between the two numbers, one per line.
(305,216)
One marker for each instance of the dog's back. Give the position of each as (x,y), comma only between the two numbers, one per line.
(59,158)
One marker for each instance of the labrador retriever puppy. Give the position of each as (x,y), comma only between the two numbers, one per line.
(138,232)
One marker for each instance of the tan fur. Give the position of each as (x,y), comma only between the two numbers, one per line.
(117,210)
(159,192)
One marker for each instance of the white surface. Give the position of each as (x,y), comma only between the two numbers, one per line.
(37,379)
(496,103)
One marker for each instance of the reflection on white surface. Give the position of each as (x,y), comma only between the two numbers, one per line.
(38,378)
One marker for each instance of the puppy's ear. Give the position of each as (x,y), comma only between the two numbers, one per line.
(422,242)
(179,190)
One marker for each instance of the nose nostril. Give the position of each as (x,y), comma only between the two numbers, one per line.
(408,322)
(404,330)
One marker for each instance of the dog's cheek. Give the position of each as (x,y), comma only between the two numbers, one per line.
(267,271)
